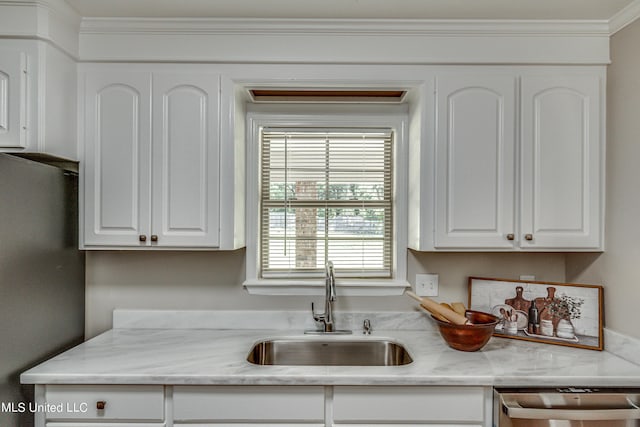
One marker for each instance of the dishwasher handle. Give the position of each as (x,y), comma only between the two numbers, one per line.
(514,410)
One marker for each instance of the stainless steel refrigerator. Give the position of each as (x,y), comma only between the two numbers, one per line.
(41,275)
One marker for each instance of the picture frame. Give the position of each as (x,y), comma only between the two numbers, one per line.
(567,314)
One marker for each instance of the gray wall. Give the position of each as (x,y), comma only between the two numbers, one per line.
(618,268)
(212,281)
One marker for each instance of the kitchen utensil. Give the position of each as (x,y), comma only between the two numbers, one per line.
(500,310)
(469,337)
(522,320)
(435,308)
(510,327)
(459,307)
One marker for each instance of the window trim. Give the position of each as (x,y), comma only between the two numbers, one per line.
(394,117)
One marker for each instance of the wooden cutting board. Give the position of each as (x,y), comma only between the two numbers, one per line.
(519,302)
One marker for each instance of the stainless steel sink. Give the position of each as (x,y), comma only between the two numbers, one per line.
(329,352)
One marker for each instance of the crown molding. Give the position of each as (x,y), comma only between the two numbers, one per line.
(51,20)
(625,17)
(387,27)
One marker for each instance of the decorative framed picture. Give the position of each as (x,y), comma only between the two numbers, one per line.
(553,313)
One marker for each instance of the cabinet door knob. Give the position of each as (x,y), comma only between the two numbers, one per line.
(528,237)
(511,236)
(154,238)
(142,238)
(100,404)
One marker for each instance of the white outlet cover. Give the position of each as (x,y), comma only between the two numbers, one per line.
(427,285)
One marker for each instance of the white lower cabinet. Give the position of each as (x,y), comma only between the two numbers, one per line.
(379,406)
(262,406)
(102,406)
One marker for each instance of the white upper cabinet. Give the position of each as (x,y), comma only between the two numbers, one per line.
(475,177)
(561,193)
(151,170)
(37,99)
(117,186)
(186,159)
(516,161)
(13,98)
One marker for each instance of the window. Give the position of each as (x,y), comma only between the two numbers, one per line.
(326,187)
(326,195)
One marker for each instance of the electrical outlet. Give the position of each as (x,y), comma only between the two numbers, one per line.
(427,285)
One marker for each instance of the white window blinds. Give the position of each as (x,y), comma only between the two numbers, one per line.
(326,194)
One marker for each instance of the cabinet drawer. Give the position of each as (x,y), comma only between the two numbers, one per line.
(408,404)
(90,423)
(79,402)
(248,403)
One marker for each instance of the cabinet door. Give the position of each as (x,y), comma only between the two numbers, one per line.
(13,99)
(560,162)
(475,161)
(186,159)
(117,158)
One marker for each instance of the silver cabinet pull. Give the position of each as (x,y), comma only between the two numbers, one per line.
(528,237)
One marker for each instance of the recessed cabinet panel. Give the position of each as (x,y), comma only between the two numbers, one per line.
(118,144)
(560,143)
(117,164)
(261,404)
(185,197)
(184,142)
(400,404)
(561,162)
(13,99)
(475,164)
(4,102)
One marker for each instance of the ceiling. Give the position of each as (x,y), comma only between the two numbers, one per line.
(353,9)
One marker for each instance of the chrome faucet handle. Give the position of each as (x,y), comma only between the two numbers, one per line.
(366,327)
(317,317)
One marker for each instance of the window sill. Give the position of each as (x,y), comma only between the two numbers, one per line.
(344,287)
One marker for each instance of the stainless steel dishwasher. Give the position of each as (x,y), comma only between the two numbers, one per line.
(566,407)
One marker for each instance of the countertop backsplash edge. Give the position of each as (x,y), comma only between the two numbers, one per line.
(621,345)
(264,319)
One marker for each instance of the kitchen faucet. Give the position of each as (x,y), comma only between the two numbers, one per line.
(329,297)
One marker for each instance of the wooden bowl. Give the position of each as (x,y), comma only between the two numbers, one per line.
(469,337)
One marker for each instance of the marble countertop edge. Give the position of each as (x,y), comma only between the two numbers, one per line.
(142,351)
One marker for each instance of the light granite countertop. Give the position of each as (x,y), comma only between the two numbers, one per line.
(171,349)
